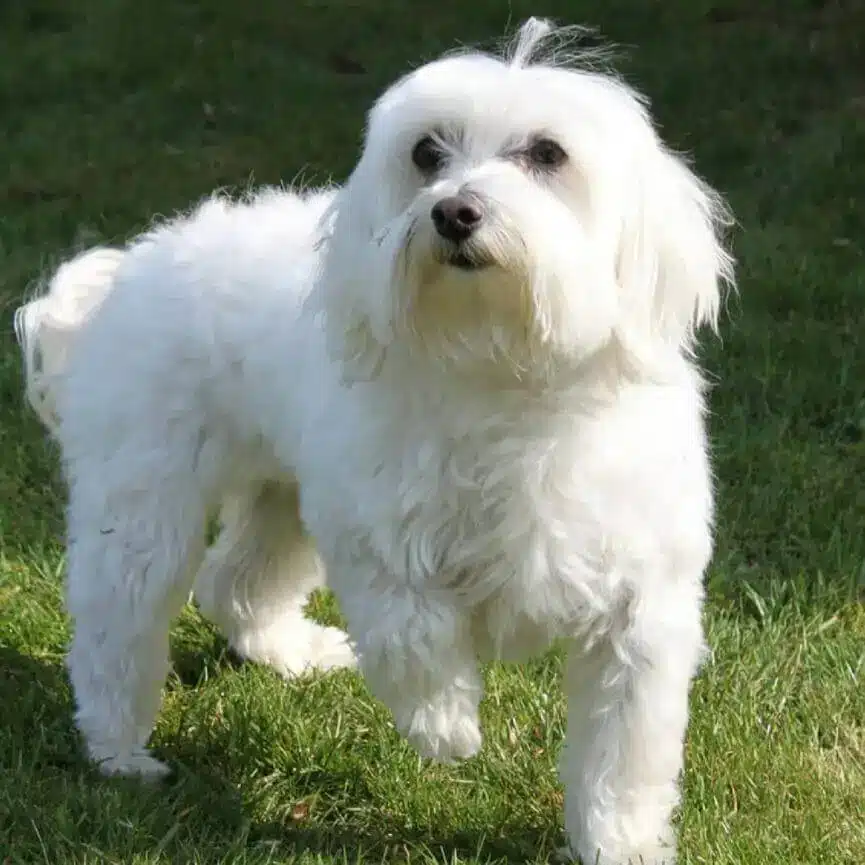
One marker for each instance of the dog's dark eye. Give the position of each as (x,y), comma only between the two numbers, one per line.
(546,153)
(428,155)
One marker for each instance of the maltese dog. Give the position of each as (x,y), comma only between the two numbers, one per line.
(461,386)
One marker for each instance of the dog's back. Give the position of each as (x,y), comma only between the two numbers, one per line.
(215,244)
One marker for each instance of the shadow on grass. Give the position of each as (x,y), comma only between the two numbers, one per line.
(199,651)
(51,784)
(391,842)
(37,712)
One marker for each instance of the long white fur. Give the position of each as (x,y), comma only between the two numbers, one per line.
(483,462)
(47,327)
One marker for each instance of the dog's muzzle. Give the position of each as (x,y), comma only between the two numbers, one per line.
(456,219)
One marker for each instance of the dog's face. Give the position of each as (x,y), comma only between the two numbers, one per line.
(520,214)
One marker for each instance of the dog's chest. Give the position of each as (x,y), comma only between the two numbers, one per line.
(548,519)
(504,521)
(483,512)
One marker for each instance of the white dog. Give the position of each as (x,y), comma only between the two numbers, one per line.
(462,383)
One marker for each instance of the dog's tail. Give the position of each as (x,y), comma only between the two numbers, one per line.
(47,326)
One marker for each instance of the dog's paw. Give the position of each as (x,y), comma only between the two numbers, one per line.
(296,647)
(444,736)
(331,649)
(653,854)
(133,763)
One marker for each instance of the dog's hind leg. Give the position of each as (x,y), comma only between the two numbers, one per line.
(256,580)
(135,539)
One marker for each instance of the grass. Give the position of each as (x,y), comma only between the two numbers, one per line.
(115,110)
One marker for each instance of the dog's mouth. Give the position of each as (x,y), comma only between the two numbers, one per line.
(469,257)
(463,261)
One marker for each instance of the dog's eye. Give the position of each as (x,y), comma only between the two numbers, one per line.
(428,155)
(546,153)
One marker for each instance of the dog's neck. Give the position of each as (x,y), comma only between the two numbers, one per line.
(407,372)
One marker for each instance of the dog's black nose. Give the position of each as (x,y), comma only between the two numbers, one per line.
(456,217)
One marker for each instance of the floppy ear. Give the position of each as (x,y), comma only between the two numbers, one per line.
(672,265)
(347,290)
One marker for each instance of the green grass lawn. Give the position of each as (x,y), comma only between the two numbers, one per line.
(114,111)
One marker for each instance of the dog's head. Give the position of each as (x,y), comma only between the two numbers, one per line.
(520,212)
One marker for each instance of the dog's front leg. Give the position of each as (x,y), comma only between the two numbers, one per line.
(417,655)
(627,717)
